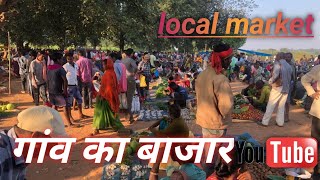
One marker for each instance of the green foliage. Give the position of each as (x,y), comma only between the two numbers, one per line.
(123,22)
(297,53)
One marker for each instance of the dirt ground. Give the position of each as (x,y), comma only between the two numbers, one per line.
(77,168)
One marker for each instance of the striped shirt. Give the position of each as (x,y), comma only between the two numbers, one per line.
(11,168)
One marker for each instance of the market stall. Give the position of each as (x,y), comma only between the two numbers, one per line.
(243,111)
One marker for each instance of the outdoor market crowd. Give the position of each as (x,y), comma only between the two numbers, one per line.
(66,78)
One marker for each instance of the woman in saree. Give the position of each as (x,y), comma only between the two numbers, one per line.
(107,101)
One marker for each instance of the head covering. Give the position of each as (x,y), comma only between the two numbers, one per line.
(217,57)
(109,89)
(40,118)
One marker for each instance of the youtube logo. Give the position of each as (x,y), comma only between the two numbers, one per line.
(291,152)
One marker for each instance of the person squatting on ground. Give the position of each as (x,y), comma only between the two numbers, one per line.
(179,94)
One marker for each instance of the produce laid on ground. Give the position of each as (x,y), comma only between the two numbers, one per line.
(188,115)
(151,115)
(160,93)
(6,108)
(261,171)
(157,105)
(131,167)
(243,110)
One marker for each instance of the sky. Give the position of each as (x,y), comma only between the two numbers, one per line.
(291,9)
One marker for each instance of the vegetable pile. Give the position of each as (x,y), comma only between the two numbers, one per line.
(5,107)
(243,110)
(160,93)
(262,171)
(147,115)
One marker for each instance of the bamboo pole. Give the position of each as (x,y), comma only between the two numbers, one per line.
(9,60)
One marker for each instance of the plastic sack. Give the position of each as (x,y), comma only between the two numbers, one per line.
(135,108)
(298,172)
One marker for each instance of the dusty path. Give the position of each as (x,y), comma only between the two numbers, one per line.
(77,168)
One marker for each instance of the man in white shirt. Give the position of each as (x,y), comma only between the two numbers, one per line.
(310,81)
(71,69)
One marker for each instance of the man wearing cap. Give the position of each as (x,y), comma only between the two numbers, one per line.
(47,118)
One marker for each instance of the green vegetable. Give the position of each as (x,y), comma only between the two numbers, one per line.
(134,145)
(161,106)
(10,106)
(3,108)
(160,95)
(245,109)
(129,150)
(144,133)
(237,111)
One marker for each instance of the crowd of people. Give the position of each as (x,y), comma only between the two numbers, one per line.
(75,78)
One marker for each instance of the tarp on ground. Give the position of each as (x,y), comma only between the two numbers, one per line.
(254,52)
(204,53)
(243,50)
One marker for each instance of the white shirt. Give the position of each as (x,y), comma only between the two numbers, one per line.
(72,72)
(307,81)
(22,61)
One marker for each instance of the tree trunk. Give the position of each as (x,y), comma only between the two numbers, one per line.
(121,43)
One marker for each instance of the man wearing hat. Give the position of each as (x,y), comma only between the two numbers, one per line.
(32,123)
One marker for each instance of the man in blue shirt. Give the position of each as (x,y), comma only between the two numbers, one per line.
(180,94)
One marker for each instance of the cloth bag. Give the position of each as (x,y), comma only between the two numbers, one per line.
(123,101)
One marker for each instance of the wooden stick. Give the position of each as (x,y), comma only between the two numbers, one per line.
(9,60)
